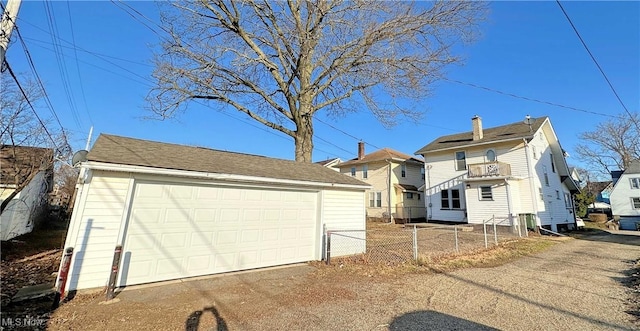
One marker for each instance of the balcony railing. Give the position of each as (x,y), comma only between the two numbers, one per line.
(489,169)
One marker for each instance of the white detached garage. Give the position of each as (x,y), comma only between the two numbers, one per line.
(182,211)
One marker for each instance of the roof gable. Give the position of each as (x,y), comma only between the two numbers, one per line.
(382,155)
(137,152)
(513,131)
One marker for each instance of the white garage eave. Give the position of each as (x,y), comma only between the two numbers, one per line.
(208,175)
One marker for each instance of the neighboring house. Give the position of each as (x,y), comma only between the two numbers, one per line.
(601,191)
(26,178)
(331,163)
(395,178)
(182,211)
(625,198)
(507,173)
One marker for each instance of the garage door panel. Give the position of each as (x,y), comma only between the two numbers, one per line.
(177,231)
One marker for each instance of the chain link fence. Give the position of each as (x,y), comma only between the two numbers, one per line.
(412,242)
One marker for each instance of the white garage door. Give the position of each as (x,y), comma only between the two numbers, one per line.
(177,231)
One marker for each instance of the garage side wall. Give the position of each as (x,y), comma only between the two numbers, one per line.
(345,210)
(94,228)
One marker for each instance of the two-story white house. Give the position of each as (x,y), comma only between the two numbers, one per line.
(625,198)
(512,174)
(395,178)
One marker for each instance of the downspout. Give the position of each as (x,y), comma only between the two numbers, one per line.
(534,195)
(389,192)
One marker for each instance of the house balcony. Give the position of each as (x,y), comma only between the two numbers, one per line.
(489,169)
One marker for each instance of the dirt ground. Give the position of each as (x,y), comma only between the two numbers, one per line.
(578,284)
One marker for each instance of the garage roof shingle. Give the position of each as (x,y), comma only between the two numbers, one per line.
(137,152)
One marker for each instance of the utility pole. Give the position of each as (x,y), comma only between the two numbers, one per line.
(6,26)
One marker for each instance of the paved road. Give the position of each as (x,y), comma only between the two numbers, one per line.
(574,286)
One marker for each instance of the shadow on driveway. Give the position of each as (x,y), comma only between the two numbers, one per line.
(433,320)
(193,321)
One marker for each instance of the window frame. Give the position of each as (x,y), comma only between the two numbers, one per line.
(568,201)
(365,171)
(495,155)
(546,175)
(422,172)
(635,200)
(454,199)
(403,170)
(535,152)
(635,180)
(553,165)
(375,199)
(409,195)
(483,196)
(457,160)
(353,171)
(444,198)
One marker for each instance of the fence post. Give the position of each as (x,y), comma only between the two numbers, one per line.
(415,243)
(455,230)
(495,233)
(484,229)
(62,277)
(114,272)
(328,247)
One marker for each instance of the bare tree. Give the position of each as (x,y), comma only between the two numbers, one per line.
(612,145)
(280,62)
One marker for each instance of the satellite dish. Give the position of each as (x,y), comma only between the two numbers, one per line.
(79,156)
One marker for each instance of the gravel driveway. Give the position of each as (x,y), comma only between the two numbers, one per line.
(576,285)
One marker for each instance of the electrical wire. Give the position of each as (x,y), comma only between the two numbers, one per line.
(584,44)
(75,53)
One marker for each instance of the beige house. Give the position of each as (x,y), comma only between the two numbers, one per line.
(395,178)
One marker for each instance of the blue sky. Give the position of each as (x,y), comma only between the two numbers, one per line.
(526,48)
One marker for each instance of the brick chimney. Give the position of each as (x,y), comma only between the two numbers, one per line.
(476,121)
(360,150)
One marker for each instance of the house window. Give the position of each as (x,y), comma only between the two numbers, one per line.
(546,175)
(409,195)
(444,197)
(455,199)
(567,200)
(553,165)
(353,171)
(491,155)
(403,170)
(461,161)
(365,171)
(486,193)
(535,151)
(541,193)
(635,202)
(375,199)
(557,194)
(422,172)
(635,183)
(418,196)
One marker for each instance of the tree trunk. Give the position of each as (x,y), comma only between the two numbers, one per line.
(304,139)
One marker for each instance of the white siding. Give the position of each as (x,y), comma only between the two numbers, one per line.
(94,228)
(480,211)
(344,210)
(621,203)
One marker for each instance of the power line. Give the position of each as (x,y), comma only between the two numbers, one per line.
(26,98)
(75,52)
(597,65)
(346,133)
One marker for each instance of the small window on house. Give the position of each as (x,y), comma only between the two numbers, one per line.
(353,171)
(403,170)
(461,161)
(418,196)
(635,202)
(486,193)
(455,199)
(535,152)
(557,194)
(546,175)
(375,199)
(491,155)
(409,195)
(635,183)
(365,171)
(553,165)
(567,200)
(422,172)
(444,199)
(541,193)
